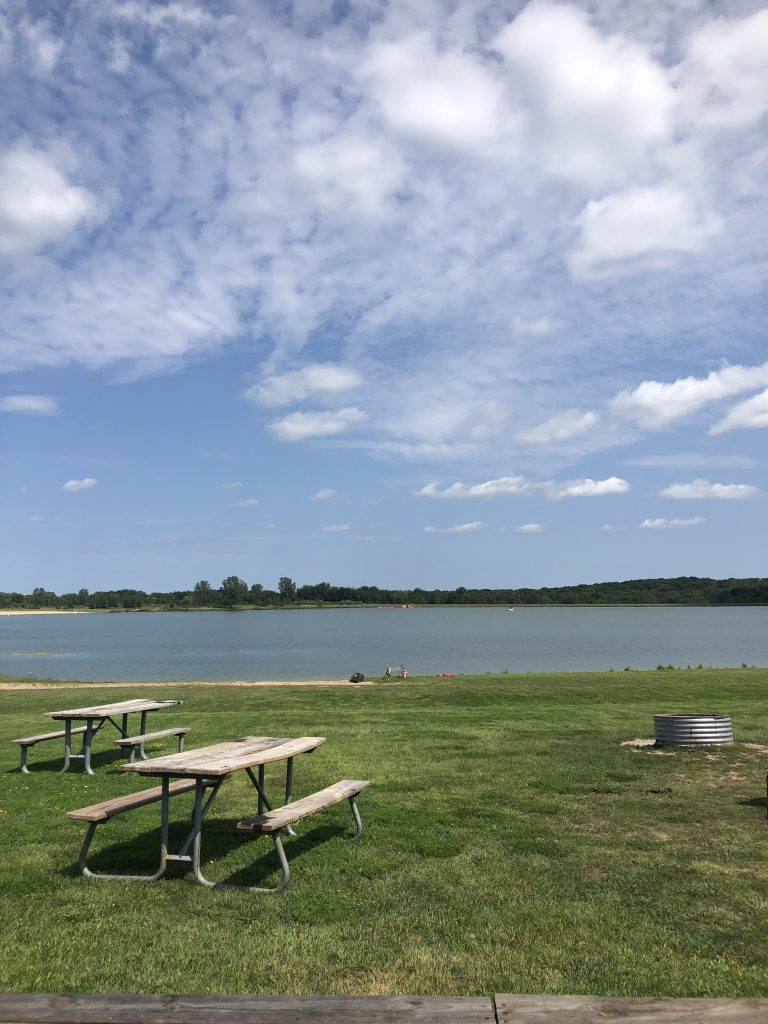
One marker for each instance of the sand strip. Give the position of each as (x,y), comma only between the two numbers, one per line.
(22,685)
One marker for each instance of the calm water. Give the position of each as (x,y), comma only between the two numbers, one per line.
(328,644)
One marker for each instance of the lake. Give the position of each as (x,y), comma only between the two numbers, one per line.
(333,643)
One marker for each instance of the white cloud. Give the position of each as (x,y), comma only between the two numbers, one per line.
(459,528)
(668,524)
(690,460)
(655,404)
(529,528)
(38,205)
(588,488)
(638,229)
(351,170)
(297,385)
(338,528)
(704,489)
(516,485)
(233,486)
(38,405)
(489,489)
(724,76)
(561,427)
(750,414)
(597,102)
(79,485)
(300,426)
(538,328)
(448,98)
(43,47)
(324,494)
(246,503)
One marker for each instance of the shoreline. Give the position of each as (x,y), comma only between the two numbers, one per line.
(78,684)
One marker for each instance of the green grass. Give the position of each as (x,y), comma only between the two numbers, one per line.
(512,844)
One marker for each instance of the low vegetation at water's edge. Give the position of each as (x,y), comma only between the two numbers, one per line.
(518,839)
(234,593)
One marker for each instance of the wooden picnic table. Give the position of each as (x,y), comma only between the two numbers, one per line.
(96,717)
(209,767)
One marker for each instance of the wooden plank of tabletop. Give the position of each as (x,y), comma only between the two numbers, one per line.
(39,1008)
(596,1010)
(117,708)
(222,758)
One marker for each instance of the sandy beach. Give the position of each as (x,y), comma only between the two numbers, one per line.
(21,685)
(45,611)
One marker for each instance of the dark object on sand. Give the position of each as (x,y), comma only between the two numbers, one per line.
(357,677)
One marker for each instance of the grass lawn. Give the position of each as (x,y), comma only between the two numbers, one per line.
(512,844)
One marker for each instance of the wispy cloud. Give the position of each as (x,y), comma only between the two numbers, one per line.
(489,489)
(246,503)
(79,485)
(748,415)
(301,426)
(324,494)
(297,385)
(36,405)
(518,485)
(474,527)
(669,524)
(233,486)
(336,528)
(529,528)
(691,460)
(589,488)
(561,427)
(704,489)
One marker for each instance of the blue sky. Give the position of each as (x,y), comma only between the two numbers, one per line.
(437,294)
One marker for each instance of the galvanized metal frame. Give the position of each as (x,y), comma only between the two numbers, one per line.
(194,837)
(90,732)
(199,815)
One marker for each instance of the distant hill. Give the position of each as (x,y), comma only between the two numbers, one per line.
(235,593)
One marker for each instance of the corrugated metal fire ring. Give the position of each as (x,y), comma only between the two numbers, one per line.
(692,730)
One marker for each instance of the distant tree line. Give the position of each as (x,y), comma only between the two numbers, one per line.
(236,593)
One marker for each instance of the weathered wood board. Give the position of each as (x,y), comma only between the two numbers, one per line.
(599,1010)
(33,1008)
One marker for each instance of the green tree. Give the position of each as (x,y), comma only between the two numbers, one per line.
(287,588)
(233,591)
(203,592)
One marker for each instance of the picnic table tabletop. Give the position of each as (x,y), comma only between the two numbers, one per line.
(219,759)
(120,707)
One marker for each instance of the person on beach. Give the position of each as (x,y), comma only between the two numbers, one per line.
(403,672)
(388,672)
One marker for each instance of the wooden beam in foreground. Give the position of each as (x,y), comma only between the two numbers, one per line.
(40,1008)
(602,1010)
(34,1008)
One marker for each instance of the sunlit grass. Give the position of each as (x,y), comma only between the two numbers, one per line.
(512,844)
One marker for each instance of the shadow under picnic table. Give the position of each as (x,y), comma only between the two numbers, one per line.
(220,838)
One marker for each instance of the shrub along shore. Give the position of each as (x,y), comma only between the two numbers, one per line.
(522,835)
(234,593)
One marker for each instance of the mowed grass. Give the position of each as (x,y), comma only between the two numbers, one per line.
(512,844)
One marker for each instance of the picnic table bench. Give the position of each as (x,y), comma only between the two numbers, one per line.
(30,741)
(135,744)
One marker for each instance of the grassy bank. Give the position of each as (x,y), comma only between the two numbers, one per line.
(512,844)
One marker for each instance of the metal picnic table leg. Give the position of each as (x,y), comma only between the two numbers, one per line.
(87,741)
(142,730)
(197,826)
(67,744)
(164,815)
(264,800)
